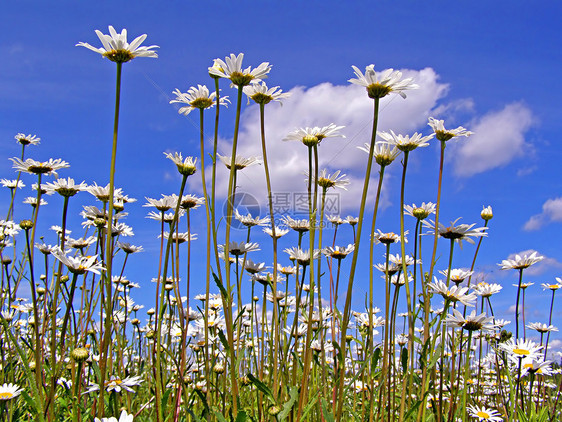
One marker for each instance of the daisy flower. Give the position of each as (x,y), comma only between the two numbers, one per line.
(250,221)
(189,202)
(24,139)
(388,81)
(311,136)
(31,166)
(263,95)
(443,134)
(117,49)
(552,286)
(484,414)
(334,180)
(301,256)
(300,226)
(125,417)
(78,265)
(471,322)
(231,68)
(279,231)
(338,252)
(65,187)
(457,233)
(240,248)
(453,293)
(240,162)
(421,212)
(405,143)
(541,328)
(383,152)
(12,184)
(521,349)
(186,166)
(9,391)
(486,213)
(486,290)
(457,275)
(520,262)
(197,98)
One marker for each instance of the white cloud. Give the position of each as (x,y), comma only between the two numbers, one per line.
(499,137)
(551,212)
(321,105)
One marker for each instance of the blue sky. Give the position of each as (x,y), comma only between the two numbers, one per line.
(490,66)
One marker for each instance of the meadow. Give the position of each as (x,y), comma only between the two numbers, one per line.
(277,340)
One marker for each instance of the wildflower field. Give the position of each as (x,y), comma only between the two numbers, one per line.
(267,331)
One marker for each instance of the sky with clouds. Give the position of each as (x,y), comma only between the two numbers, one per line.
(491,67)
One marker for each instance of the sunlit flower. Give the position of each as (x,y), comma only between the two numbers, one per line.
(186,166)
(12,184)
(521,349)
(352,221)
(443,134)
(453,293)
(301,256)
(167,202)
(334,180)
(180,238)
(125,417)
(536,366)
(279,231)
(405,142)
(9,391)
(31,166)
(117,384)
(383,152)
(250,221)
(263,95)
(388,238)
(231,68)
(338,252)
(521,262)
(65,187)
(24,139)
(239,162)
(311,136)
(486,213)
(78,265)
(128,248)
(299,225)
(553,286)
(541,328)
(471,322)
(81,243)
(196,98)
(457,233)
(32,200)
(421,212)
(389,81)
(486,290)
(117,49)
(457,275)
(253,268)
(484,414)
(240,248)
(189,202)
(102,193)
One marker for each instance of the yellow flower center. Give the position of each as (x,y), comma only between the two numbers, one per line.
(523,352)
(482,414)
(6,395)
(377,90)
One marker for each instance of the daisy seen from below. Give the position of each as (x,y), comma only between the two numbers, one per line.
(471,322)
(65,187)
(457,233)
(520,262)
(311,136)
(443,134)
(125,417)
(484,414)
(334,180)
(24,139)
(186,167)
(384,152)
(231,68)
(31,166)
(421,212)
(240,162)
(117,49)
(78,265)
(261,94)
(197,98)
(388,81)
(9,391)
(405,143)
